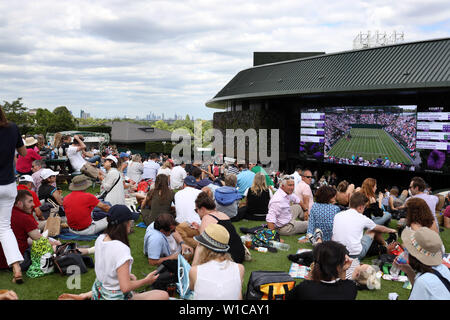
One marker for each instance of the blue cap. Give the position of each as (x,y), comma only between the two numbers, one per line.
(190,181)
(123,155)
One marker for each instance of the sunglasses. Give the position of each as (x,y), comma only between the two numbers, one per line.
(309,177)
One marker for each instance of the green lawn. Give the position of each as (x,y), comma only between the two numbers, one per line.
(370,144)
(51,286)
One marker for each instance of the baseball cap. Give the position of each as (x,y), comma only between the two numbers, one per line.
(119,213)
(26,178)
(47,173)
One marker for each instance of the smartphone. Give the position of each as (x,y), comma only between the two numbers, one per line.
(159,269)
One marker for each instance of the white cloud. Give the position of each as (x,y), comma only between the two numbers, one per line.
(173,56)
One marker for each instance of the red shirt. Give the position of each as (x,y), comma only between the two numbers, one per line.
(21,224)
(24,163)
(78,206)
(37,202)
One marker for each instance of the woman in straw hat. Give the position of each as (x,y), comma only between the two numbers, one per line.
(432,280)
(24,163)
(216,276)
(10,142)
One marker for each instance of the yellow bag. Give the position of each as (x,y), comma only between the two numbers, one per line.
(276,291)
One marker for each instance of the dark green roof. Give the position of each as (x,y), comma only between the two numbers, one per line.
(413,65)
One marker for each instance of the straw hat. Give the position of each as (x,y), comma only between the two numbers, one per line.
(80,183)
(215,237)
(424,244)
(30,141)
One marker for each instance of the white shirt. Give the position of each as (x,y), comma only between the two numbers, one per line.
(75,158)
(185,205)
(177,177)
(165,171)
(109,256)
(116,195)
(135,170)
(150,170)
(218,281)
(348,229)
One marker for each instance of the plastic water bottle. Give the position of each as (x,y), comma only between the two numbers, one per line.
(52,155)
(280,245)
(402,258)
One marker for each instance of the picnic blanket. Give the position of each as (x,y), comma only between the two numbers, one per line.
(298,271)
(67,235)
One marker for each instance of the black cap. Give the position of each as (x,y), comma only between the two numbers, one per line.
(119,213)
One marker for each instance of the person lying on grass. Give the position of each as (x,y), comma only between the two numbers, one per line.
(113,263)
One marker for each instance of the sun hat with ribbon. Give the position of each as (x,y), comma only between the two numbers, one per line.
(80,183)
(214,237)
(424,244)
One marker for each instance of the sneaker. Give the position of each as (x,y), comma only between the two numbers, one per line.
(318,235)
(310,237)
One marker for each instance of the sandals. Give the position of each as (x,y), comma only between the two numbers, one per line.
(17,279)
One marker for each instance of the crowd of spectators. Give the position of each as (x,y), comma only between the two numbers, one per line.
(189,210)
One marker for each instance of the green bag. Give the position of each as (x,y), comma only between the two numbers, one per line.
(41,258)
(263,237)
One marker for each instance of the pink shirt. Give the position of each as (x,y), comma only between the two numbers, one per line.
(303,190)
(24,163)
(280,208)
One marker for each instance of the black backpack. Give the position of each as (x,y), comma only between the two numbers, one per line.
(67,255)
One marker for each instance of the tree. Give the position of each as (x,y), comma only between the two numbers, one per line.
(16,112)
(62,121)
(44,118)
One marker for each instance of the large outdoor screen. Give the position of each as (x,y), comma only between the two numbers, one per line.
(392,137)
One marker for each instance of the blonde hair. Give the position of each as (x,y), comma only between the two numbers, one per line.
(259,184)
(368,278)
(136,158)
(207,255)
(57,140)
(166,165)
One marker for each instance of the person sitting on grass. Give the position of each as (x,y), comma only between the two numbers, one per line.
(344,192)
(320,223)
(257,199)
(158,200)
(375,209)
(113,262)
(282,216)
(327,275)
(214,276)
(47,190)
(432,280)
(79,205)
(26,182)
(396,202)
(24,226)
(349,226)
(206,210)
(162,242)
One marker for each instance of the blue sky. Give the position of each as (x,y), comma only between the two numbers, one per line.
(112,58)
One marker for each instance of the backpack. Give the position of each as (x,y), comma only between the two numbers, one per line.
(226,195)
(216,171)
(269,285)
(263,237)
(67,255)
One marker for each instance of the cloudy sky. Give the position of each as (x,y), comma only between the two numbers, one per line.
(116,58)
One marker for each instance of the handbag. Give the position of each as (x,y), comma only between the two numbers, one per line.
(53,223)
(183,279)
(67,255)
